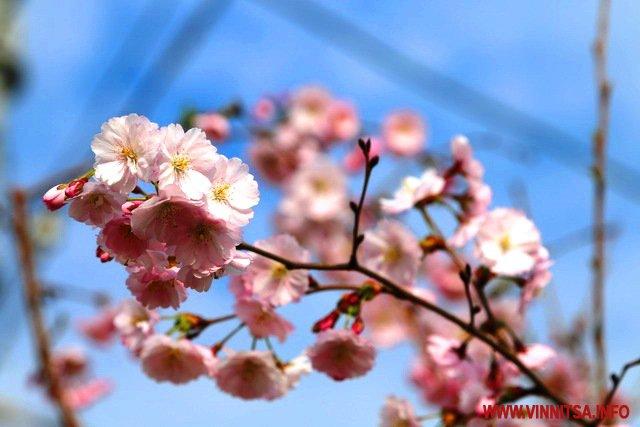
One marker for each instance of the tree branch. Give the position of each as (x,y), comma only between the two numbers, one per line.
(33,296)
(599,182)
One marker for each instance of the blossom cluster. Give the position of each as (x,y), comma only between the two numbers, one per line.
(171,209)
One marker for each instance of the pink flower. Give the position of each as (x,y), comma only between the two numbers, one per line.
(162,217)
(466,231)
(443,273)
(185,159)
(125,150)
(100,328)
(342,122)
(279,155)
(54,198)
(232,192)
(179,362)
(404,133)
(414,190)
(341,354)
(391,250)
(264,110)
(508,242)
(262,320)
(205,243)
(120,241)
(536,355)
(309,109)
(251,375)
(389,320)
(196,280)
(97,204)
(154,283)
(354,161)
(537,279)
(398,413)
(215,126)
(271,281)
(135,324)
(443,350)
(462,154)
(80,396)
(317,192)
(71,367)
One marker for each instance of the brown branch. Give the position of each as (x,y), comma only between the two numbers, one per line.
(599,182)
(404,294)
(33,296)
(616,379)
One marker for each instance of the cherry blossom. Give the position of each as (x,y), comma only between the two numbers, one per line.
(341,354)
(251,375)
(413,190)
(270,280)
(178,362)
(215,126)
(232,192)
(392,250)
(125,150)
(96,205)
(100,328)
(118,239)
(55,197)
(135,324)
(262,320)
(185,159)
(317,192)
(404,133)
(507,242)
(154,282)
(398,412)
(443,273)
(309,108)
(342,122)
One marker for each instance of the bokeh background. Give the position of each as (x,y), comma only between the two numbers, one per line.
(515,76)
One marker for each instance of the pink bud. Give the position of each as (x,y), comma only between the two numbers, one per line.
(103,255)
(358,326)
(129,207)
(54,198)
(75,188)
(215,125)
(326,322)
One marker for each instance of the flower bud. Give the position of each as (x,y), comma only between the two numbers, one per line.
(358,325)
(103,255)
(54,198)
(129,207)
(75,188)
(348,301)
(432,244)
(327,322)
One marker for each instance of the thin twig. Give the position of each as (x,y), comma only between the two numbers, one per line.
(33,296)
(599,182)
(404,294)
(616,379)
(370,163)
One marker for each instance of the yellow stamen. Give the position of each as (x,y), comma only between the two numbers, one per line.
(180,163)
(220,192)
(128,153)
(505,243)
(279,271)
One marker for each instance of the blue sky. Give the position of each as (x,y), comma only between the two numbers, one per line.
(534,56)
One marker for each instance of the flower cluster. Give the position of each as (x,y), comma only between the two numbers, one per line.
(171,209)
(184,234)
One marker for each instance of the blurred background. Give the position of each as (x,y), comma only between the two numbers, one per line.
(516,77)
